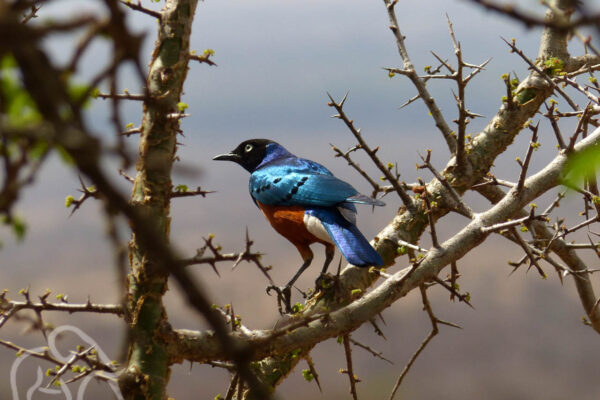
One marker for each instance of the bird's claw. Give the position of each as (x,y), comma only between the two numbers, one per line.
(284,295)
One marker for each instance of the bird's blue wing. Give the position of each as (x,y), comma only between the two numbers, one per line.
(353,245)
(296,181)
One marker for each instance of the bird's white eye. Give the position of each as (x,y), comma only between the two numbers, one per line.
(248,148)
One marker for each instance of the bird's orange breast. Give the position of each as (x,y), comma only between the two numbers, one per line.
(288,221)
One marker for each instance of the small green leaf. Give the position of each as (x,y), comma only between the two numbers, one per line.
(581,164)
(77,91)
(182,189)
(526,95)
(296,308)
(38,150)
(307,374)
(65,156)
(69,201)
(295,353)
(18,226)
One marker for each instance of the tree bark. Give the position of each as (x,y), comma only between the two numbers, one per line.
(148,369)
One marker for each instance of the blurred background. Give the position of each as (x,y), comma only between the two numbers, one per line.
(524,339)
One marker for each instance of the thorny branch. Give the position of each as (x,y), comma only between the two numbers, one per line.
(372,153)
(530,21)
(350,369)
(419,83)
(217,256)
(434,331)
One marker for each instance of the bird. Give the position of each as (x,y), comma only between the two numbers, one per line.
(306,204)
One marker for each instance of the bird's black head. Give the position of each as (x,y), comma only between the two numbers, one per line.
(249,154)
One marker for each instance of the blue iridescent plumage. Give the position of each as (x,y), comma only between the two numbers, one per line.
(305,203)
(290,180)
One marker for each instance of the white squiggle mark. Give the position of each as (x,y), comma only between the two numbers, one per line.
(38,383)
(56,353)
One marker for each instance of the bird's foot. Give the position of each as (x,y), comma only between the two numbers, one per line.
(284,295)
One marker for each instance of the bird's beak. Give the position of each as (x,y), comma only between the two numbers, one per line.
(228,157)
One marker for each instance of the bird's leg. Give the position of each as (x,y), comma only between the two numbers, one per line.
(285,293)
(329,253)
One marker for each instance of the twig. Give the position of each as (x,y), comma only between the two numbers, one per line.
(17,306)
(406,199)
(370,350)
(418,82)
(431,71)
(181,191)
(132,131)
(460,99)
(453,279)
(142,9)
(453,292)
(551,116)
(87,192)
(246,255)
(510,104)
(232,387)
(124,96)
(459,205)
(533,260)
(579,129)
(429,212)
(411,246)
(350,370)
(434,331)
(541,73)
(127,177)
(313,371)
(346,156)
(530,21)
(583,224)
(31,14)
(512,223)
(205,58)
(533,144)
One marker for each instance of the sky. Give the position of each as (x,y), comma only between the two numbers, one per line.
(277,60)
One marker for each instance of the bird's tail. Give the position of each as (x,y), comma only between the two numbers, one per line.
(354,246)
(362,199)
